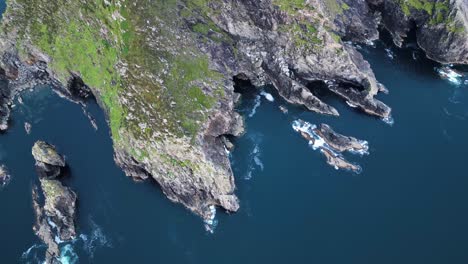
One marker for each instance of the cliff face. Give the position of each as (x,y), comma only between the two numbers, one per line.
(441,26)
(163,71)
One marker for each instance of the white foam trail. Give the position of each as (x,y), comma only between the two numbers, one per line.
(257,104)
(390,53)
(25,255)
(211,222)
(95,240)
(259,163)
(268,96)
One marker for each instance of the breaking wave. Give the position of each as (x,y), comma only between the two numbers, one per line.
(211,222)
(453,76)
(68,255)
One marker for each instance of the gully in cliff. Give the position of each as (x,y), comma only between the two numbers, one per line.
(54,204)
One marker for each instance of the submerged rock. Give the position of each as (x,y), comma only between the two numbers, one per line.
(49,163)
(5,176)
(338,162)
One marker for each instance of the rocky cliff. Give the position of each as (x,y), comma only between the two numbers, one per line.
(163,70)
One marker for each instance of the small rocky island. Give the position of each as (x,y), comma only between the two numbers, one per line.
(53,203)
(164,73)
(331,144)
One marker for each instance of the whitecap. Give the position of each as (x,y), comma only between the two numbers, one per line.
(268,96)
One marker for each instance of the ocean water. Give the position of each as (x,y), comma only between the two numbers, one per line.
(408,205)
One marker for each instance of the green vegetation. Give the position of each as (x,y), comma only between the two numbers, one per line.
(304,35)
(168,85)
(52,189)
(291,6)
(336,7)
(439,12)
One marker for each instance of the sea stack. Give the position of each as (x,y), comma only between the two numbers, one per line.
(55,206)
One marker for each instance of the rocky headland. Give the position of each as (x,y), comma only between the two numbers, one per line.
(164,71)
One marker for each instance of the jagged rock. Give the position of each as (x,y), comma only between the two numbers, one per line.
(441,26)
(338,162)
(331,144)
(46,153)
(49,163)
(5,176)
(55,217)
(180,86)
(340,142)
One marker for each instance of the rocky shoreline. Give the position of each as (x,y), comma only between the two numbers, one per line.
(172,129)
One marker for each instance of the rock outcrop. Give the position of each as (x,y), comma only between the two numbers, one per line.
(54,204)
(441,26)
(49,163)
(5,176)
(163,72)
(331,144)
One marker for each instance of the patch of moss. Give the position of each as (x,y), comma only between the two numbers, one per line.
(291,6)
(304,35)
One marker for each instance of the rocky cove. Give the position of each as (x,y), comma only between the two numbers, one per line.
(196,200)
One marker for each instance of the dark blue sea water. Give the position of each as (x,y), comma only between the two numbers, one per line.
(409,205)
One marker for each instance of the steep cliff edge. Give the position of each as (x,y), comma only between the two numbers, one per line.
(163,72)
(441,26)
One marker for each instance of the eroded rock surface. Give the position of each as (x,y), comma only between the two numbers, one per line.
(49,163)
(55,217)
(54,204)
(163,72)
(332,144)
